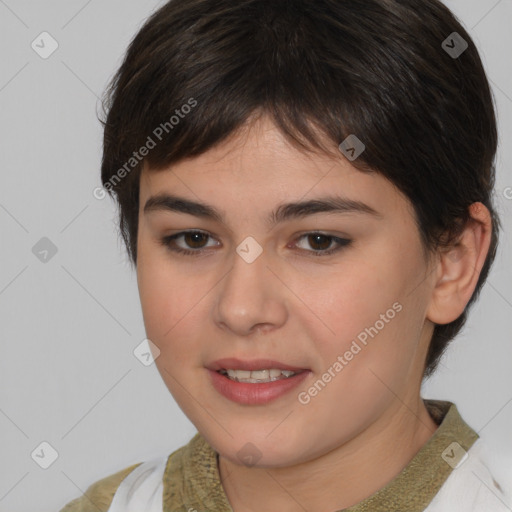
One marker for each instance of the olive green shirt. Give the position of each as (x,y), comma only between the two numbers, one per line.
(192,481)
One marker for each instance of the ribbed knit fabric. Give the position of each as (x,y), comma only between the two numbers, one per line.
(192,481)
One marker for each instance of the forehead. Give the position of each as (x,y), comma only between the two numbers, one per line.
(258,168)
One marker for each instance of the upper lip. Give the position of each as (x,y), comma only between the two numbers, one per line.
(232,363)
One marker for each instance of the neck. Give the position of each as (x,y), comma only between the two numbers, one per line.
(340,478)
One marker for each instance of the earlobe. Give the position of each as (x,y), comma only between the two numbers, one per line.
(459,267)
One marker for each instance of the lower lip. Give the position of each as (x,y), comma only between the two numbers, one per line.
(255,393)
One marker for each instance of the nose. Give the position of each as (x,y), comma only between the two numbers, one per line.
(251,297)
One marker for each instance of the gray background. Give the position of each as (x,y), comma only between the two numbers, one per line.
(69,326)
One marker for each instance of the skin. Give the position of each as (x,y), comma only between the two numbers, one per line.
(365,425)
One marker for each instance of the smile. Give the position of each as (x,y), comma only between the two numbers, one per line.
(251,391)
(256,376)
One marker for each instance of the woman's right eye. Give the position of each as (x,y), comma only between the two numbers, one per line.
(191,238)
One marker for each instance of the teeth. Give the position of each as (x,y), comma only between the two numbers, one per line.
(257,375)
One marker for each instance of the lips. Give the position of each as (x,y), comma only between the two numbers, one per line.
(232,363)
(258,393)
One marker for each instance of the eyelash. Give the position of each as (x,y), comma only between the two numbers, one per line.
(167,242)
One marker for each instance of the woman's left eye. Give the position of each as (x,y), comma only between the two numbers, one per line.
(195,239)
(319,239)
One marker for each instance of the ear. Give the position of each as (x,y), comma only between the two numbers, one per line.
(459,267)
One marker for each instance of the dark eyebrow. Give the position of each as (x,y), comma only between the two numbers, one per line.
(286,211)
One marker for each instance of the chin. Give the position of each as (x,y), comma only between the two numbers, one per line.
(255,449)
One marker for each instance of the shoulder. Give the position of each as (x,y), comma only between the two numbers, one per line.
(473,485)
(147,476)
(99,495)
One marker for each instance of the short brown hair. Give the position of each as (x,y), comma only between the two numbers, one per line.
(375,68)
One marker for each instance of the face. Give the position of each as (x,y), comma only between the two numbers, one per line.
(338,295)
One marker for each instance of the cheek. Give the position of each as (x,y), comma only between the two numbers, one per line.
(169,319)
(367,310)
(170,299)
(352,298)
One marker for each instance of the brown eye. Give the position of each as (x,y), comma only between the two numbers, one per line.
(194,239)
(320,242)
(194,242)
